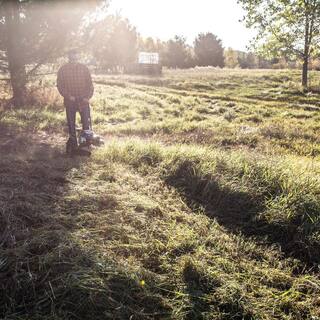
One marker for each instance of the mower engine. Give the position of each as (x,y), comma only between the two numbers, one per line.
(87,138)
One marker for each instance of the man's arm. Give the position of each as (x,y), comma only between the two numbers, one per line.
(89,85)
(61,85)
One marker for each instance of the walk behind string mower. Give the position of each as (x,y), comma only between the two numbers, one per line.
(87,139)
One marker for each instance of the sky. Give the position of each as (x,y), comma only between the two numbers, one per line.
(164,19)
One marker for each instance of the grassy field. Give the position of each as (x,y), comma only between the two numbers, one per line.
(203,204)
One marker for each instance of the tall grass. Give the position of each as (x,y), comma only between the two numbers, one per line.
(254,192)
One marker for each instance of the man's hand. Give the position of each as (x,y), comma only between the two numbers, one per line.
(85,100)
(72,98)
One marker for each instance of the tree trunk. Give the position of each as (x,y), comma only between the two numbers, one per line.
(306,53)
(17,69)
(18,84)
(305,72)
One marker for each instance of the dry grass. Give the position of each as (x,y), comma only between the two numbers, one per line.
(210,212)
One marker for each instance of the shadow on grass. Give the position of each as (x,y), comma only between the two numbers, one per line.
(44,271)
(201,293)
(196,289)
(238,212)
(289,98)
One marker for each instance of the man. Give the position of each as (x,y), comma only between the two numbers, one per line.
(75,85)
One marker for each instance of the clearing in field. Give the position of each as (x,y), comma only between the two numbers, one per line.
(203,204)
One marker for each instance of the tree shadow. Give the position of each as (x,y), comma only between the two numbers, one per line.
(45,272)
(239,212)
(201,290)
(196,289)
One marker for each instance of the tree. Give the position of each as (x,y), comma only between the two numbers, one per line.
(154,45)
(248,60)
(231,58)
(32,32)
(208,50)
(148,44)
(177,54)
(114,42)
(287,28)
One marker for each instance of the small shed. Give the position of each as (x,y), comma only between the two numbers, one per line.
(149,63)
(149,58)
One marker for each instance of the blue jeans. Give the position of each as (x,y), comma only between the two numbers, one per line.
(71,110)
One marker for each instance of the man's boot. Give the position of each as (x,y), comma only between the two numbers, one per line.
(71,147)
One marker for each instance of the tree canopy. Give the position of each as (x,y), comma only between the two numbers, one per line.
(289,28)
(33,32)
(114,42)
(208,50)
(177,53)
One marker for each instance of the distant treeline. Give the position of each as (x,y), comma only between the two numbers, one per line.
(244,60)
(113,44)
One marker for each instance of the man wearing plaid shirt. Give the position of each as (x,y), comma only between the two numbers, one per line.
(75,85)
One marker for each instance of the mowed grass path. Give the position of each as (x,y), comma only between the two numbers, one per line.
(204,203)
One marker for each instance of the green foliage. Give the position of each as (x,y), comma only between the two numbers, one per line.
(208,50)
(177,54)
(285,28)
(33,33)
(284,23)
(151,45)
(113,42)
(231,58)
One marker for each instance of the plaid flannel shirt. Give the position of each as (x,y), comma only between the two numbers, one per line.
(74,80)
